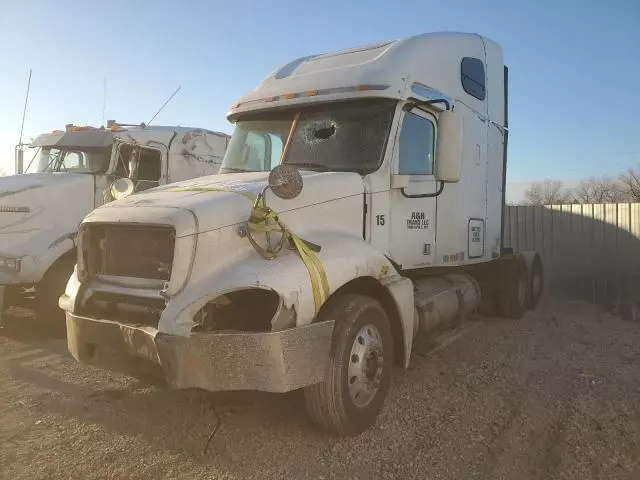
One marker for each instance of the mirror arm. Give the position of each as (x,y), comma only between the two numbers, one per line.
(417,103)
(424,195)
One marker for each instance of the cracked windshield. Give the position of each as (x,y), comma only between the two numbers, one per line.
(340,137)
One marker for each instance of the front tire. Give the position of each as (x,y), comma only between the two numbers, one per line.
(357,374)
(48,291)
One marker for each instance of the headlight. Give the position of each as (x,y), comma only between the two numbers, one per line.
(82,243)
(12,264)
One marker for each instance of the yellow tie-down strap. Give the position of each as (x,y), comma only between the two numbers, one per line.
(265,220)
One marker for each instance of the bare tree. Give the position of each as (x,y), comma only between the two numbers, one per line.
(600,190)
(631,184)
(547,192)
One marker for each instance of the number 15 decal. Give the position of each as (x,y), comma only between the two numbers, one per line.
(379,219)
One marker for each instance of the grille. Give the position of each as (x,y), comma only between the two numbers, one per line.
(131,251)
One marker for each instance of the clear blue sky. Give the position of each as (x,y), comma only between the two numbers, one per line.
(574,65)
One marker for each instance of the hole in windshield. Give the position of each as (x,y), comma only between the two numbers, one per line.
(318,131)
(324,133)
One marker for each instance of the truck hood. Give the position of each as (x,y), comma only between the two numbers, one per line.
(42,202)
(221,200)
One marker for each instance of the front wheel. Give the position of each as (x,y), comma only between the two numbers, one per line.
(48,291)
(357,374)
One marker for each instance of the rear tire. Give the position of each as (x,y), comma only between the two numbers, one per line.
(487,306)
(357,374)
(48,291)
(512,296)
(536,282)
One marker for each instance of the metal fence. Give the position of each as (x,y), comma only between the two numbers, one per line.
(590,251)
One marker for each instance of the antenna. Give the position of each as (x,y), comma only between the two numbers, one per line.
(164,105)
(19,151)
(24,111)
(104,97)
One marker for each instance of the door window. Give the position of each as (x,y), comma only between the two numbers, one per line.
(416,145)
(142,165)
(150,169)
(73,160)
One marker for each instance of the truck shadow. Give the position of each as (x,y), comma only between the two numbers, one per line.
(143,404)
(20,324)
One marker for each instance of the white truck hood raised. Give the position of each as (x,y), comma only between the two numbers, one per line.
(216,201)
(41,207)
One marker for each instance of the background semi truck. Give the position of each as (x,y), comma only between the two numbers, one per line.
(360,204)
(72,172)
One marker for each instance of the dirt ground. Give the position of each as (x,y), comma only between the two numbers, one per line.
(555,395)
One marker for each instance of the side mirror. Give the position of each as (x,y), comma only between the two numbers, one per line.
(449,147)
(122,187)
(285,181)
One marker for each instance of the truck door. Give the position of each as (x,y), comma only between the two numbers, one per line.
(102,181)
(413,207)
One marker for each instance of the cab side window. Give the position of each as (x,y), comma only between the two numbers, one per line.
(416,145)
(150,165)
(73,160)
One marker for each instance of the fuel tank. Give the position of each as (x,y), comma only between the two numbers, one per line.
(444,300)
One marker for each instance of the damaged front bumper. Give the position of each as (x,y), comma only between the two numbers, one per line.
(216,361)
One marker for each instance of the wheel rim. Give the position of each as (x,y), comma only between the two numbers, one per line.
(366,363)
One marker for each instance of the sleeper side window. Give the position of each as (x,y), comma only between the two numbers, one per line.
(472,76)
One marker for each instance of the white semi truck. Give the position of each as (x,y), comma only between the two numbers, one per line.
(72,172)
(360,203)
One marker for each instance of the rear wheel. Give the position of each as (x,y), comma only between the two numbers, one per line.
(536,282)
(49,290)
(512,296)
(357,374)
